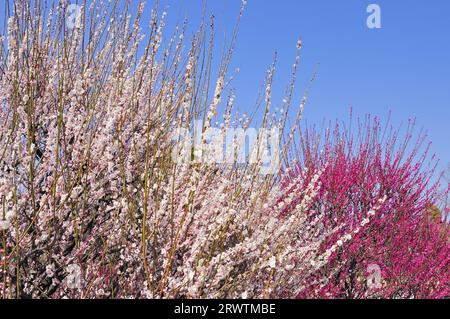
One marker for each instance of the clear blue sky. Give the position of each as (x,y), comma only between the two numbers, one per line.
(404,67)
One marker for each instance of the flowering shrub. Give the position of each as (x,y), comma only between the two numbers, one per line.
(94,204)
(379,189)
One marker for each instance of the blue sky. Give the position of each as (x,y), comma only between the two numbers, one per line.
(404,67)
